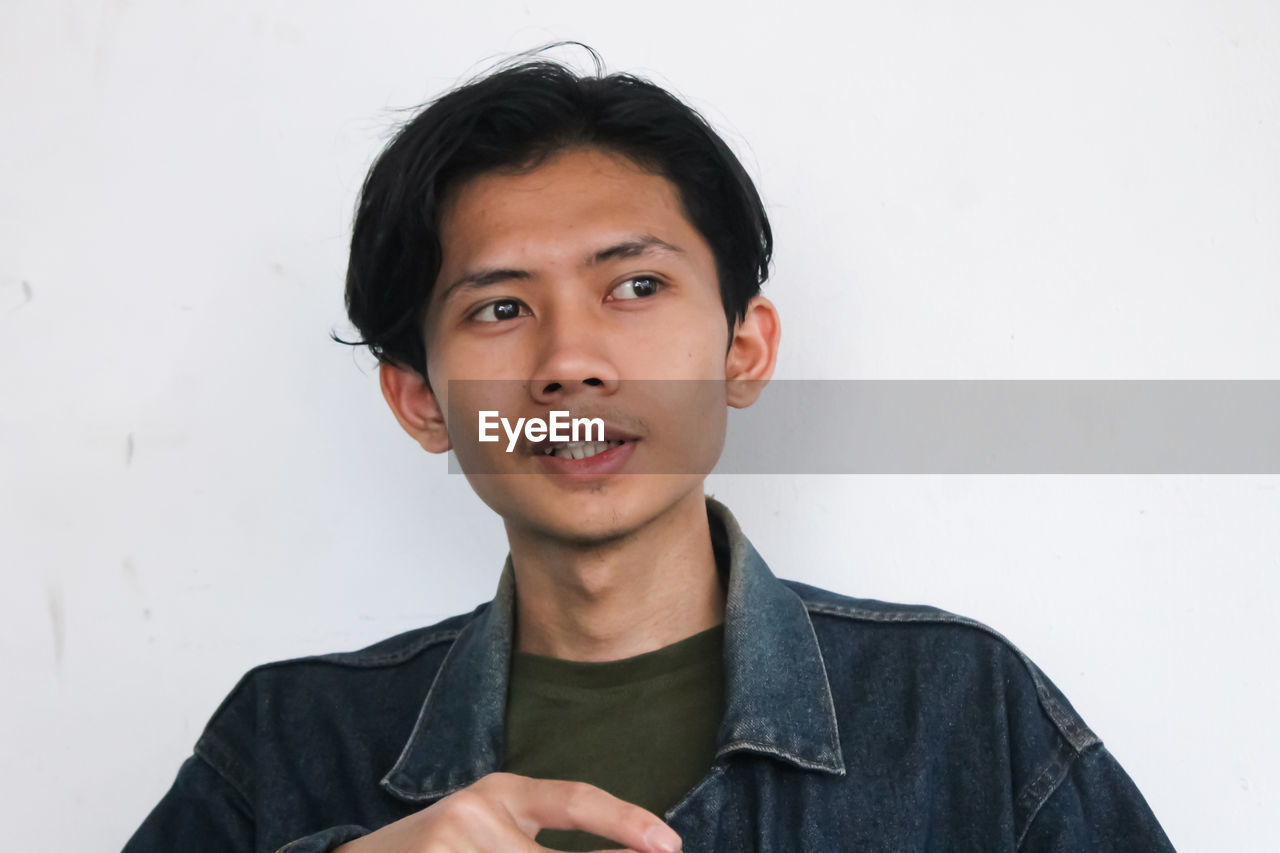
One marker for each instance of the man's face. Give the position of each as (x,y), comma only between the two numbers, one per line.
(569,283)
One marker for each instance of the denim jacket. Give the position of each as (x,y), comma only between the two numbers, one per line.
(849,725)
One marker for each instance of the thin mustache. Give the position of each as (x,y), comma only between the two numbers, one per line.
(632,427)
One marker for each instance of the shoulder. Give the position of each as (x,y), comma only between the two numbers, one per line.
(378,688)
(924,645)
(870,610)
(401,650)
(393,651)
(914,673)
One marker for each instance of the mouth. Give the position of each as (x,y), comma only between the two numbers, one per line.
(585,461)
(578,449)
(612,437)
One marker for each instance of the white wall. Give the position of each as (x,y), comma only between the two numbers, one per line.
(196,480)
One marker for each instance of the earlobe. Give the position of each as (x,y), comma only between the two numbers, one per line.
(752,353)
(415,406)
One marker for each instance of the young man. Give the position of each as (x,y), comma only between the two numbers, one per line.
(536,242)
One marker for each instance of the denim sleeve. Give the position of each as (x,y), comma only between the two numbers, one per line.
(201,812)
(326,841)
(1098,808)
(204,813)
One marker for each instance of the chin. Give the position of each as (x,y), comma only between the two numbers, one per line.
(590,514)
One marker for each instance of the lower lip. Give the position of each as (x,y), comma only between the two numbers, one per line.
(608,462)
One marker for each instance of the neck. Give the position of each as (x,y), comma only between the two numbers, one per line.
(612,600)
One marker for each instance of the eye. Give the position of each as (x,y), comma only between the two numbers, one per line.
(502,309)
(637,288)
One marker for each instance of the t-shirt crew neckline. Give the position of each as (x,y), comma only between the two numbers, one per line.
(693,651)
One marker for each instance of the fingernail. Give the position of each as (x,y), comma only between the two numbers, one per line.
(662,837)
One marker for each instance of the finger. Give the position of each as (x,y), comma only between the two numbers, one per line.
(554,804)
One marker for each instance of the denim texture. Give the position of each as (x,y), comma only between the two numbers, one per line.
(850,725)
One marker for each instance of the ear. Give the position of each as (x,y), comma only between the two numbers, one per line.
(752,353)
(415,407)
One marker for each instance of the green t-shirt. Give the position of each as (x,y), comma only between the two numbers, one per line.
(642,728)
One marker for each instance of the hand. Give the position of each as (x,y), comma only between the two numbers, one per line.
(502,812)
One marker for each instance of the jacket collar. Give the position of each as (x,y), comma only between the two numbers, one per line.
(777,699)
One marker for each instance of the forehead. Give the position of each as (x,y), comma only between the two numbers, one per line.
(567,203)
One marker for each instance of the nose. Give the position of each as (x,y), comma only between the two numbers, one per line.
(574,361)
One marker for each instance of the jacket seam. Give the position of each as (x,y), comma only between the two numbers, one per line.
(1064,770)
(1069,725)
(360,660)
(210,749)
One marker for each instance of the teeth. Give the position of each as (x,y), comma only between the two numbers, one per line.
(580,449)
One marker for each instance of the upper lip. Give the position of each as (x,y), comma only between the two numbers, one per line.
(612,432)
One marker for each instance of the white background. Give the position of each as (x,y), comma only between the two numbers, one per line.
(196,480)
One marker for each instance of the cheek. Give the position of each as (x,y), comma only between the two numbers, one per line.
(469,359)
(688,344)
(466,399)
(693,425)
(709,347)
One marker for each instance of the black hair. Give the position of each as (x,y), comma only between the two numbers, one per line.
(514,118)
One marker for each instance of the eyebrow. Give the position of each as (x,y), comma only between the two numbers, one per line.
(643,244)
